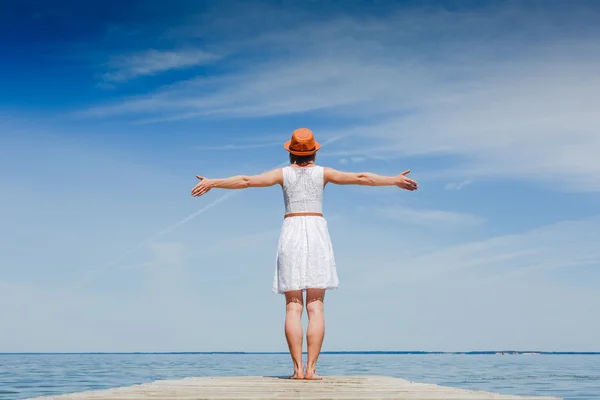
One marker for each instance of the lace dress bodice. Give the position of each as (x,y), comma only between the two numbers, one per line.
(303,189)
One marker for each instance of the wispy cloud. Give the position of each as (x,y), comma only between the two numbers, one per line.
(457,185)
(465,95)
(239,146)
(151,62)
(500,258)
(266,141)
(91,274)
(429,216)
(490,96)
(352,160)
(562,245)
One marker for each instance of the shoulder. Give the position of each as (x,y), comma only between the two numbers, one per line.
(274,173)
(328,173)
(269,178)
(328,170)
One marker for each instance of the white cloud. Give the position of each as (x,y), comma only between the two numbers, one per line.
(240,146)
(429,216)
(535,124)
(505,105)
(567,244)
(457,185)
(352,160)
(151,62)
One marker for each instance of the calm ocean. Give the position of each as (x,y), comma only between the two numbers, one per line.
(568,376)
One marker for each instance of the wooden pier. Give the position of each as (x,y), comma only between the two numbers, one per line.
(253,388)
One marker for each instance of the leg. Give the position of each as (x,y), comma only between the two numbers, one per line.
(293,329)
(316,329)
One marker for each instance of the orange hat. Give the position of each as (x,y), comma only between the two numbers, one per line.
(303,143)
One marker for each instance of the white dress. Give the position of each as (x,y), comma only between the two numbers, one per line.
(304,253)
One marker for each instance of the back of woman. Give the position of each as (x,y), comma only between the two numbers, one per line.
(303,189)
(304,254)
(305,261)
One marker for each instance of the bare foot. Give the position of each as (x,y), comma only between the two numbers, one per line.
(311,374)
(298,373)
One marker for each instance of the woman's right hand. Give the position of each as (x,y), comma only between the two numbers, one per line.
(202,187)
(406,183)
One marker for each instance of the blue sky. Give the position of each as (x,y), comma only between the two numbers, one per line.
(109,110)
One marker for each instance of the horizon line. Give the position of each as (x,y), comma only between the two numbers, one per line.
(473,352)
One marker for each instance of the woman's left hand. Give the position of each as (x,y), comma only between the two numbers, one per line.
(202,187)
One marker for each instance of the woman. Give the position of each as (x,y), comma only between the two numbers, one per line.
(305,260)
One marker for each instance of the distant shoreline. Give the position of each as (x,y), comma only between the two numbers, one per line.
(491,352)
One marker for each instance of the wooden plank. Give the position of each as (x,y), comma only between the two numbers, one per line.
(258,387)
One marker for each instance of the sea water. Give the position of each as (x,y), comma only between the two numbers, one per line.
(568,376)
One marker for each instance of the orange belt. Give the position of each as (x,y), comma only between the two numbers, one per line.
(304,214)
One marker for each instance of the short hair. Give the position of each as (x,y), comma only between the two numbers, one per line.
(294,159)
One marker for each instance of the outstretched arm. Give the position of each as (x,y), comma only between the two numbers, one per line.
(369,179)
(238,182)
